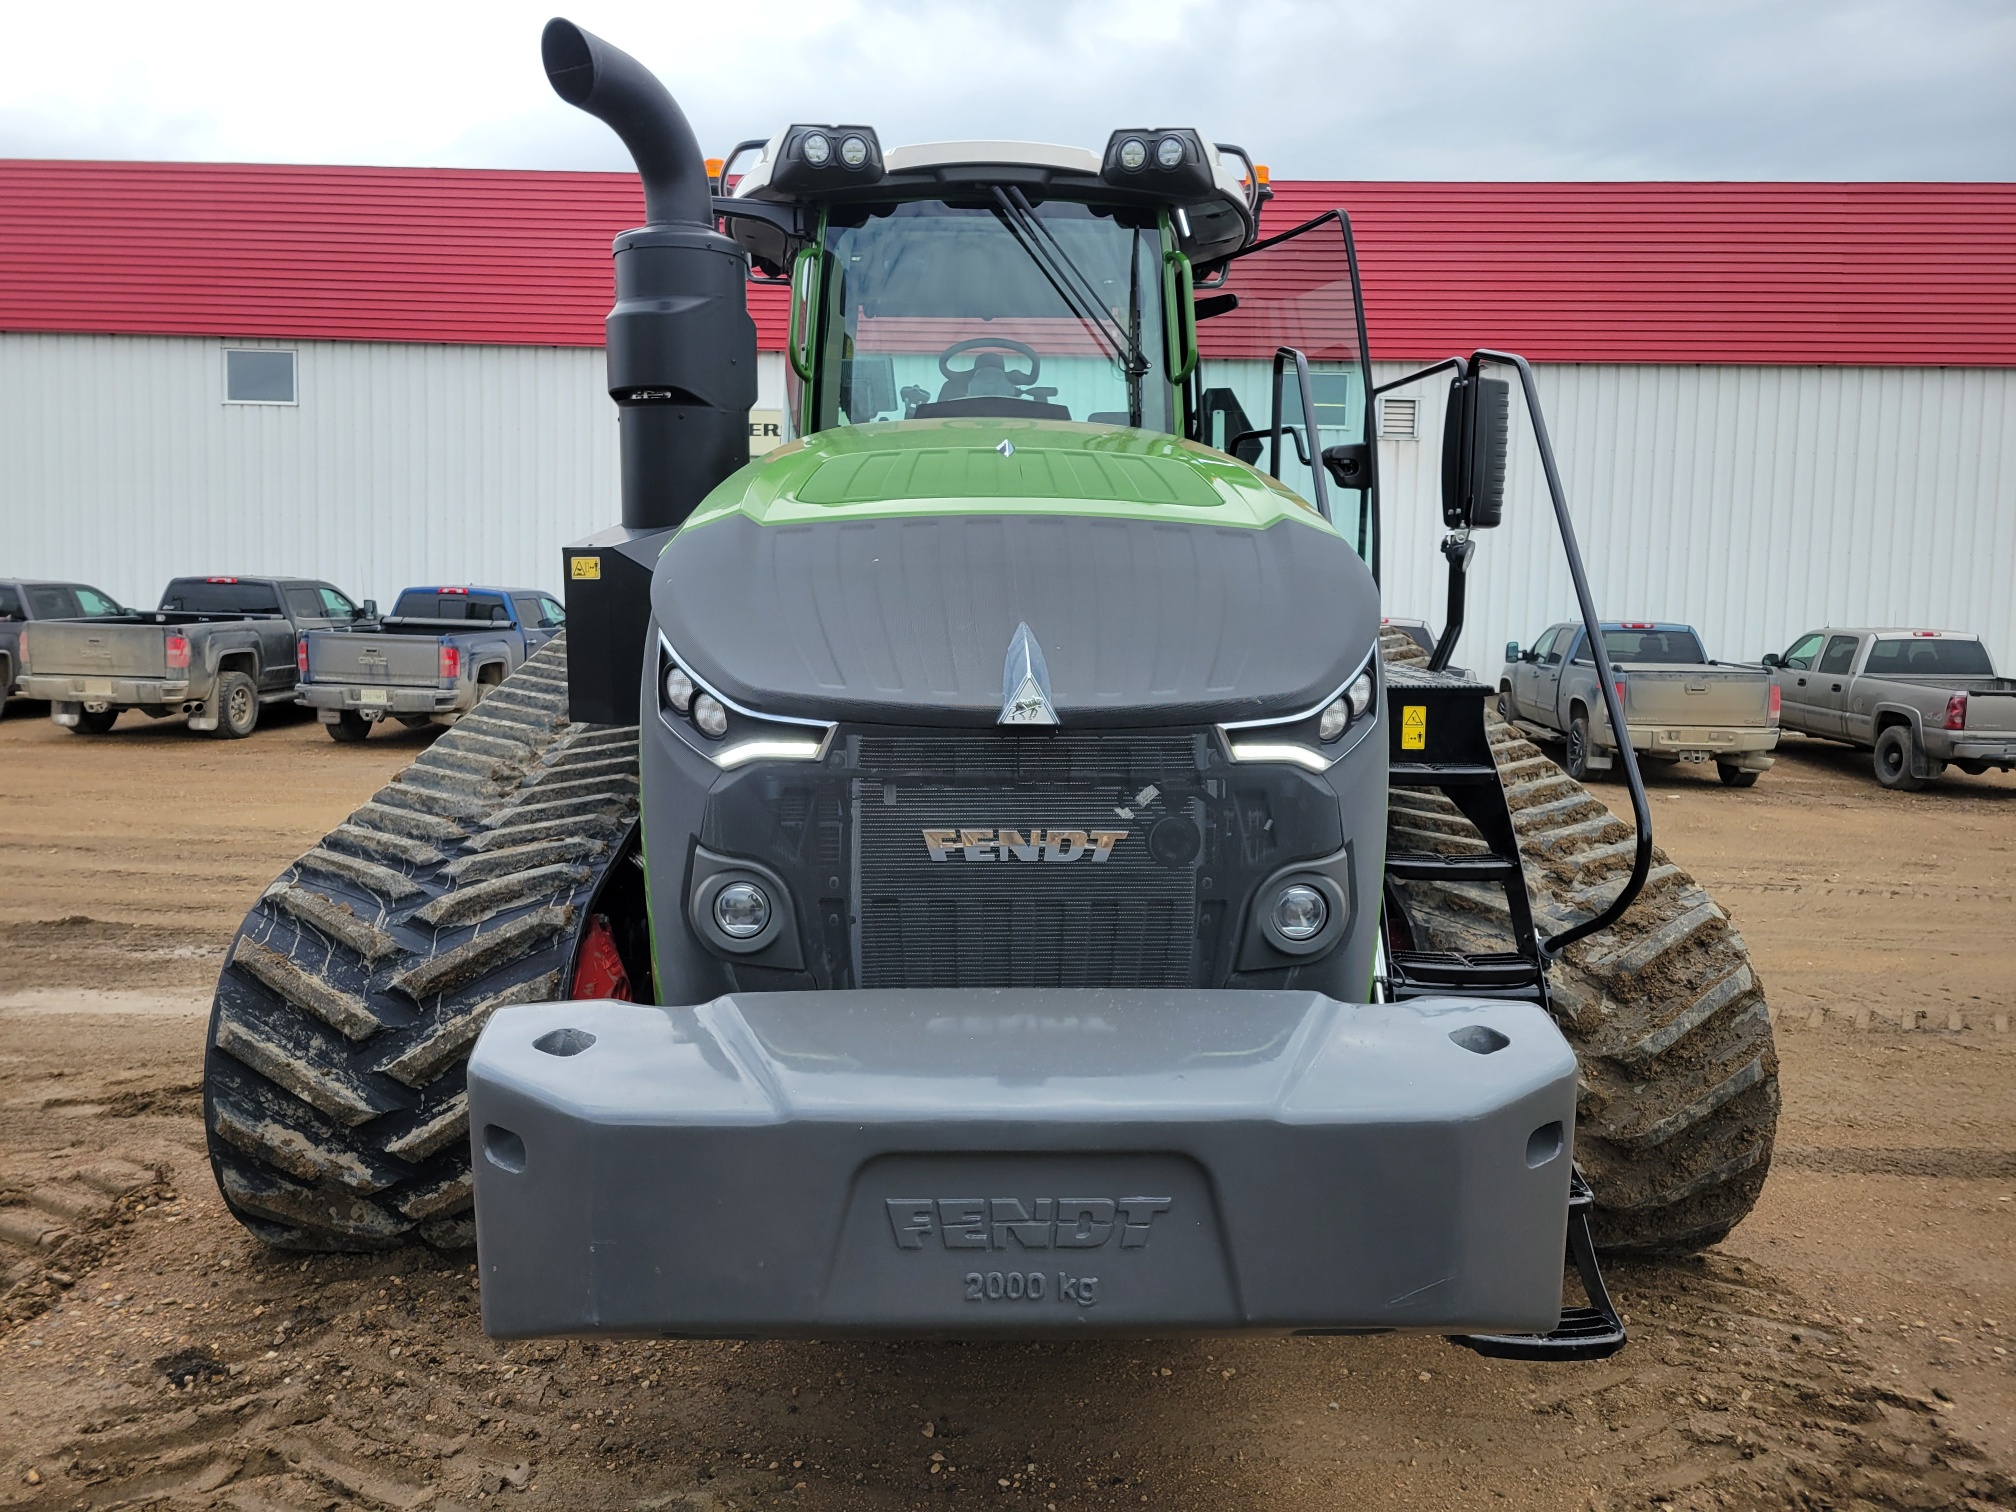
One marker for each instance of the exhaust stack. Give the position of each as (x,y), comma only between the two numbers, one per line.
(682,366)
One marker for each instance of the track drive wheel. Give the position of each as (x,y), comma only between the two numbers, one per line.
(333,1086)
(1679,1095)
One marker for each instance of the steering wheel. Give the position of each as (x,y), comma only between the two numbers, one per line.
(996,343)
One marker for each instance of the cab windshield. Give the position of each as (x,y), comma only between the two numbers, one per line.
(1001,308)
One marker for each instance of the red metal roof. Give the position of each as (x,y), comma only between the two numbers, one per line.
(1899,274)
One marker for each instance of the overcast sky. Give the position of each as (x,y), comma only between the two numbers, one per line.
(1688,89)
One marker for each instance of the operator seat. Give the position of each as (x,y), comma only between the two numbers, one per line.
(987,379)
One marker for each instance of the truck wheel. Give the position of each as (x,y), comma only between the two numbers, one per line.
(1575,759)
(349,728)
(89,723)
(237,706)
(1894,760)
(1735,776)
(1678,1108)
(333,1084)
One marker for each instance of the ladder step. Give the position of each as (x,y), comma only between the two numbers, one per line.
(1422,866)
(1430,774)
(1447,969)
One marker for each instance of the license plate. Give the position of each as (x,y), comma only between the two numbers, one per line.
(373,696)
(98,687)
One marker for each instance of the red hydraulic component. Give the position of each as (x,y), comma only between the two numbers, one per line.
(598,969)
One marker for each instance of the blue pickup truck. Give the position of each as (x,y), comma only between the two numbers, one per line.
(431,660)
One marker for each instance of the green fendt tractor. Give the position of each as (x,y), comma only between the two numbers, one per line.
(975,869)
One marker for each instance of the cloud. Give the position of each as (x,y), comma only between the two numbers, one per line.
(1461,89)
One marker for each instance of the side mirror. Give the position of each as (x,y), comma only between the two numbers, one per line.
(1771,659)
(1476,443)
(366,610)
(1511,651)
(1349,464)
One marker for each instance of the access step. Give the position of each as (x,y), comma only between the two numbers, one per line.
(1592,1332)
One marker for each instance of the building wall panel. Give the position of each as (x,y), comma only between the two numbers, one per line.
(1755,502)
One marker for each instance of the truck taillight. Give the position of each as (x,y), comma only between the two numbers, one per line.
(301,656)
(21,650)
(1777,704)
(1620,692)
(1956,711)
(451,661)
(178,650)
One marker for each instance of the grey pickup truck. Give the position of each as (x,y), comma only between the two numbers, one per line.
(217,649)
(433,659)
(23,600)
(1680,706)
(1917,698)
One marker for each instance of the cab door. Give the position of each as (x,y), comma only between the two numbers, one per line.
(1524,703)
(1828,689)
(1795,677)
(1547,673)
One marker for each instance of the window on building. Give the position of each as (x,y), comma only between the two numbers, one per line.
(1400,419)
(258,377)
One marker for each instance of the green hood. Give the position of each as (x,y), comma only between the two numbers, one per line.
(958,466)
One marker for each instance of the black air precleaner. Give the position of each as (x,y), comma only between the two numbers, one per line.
(682,365)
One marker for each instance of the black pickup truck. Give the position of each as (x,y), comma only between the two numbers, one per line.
(23,600)
(217,649)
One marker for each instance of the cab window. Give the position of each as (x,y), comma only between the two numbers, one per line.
(304,604)
(556,616)
(1803,651)
(51,601)
(1840,654)
(334,604)
(1548,651)
(10,603)
(96,605)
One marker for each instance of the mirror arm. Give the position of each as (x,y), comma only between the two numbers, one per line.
(789,219)
(1457,549)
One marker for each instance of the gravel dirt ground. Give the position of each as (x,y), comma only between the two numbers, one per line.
(1847,1347)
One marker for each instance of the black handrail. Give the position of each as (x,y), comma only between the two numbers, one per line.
(1281,355)
(1641,807)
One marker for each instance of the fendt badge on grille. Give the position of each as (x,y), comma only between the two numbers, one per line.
(1012,845)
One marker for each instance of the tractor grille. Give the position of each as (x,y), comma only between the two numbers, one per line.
(1010,910)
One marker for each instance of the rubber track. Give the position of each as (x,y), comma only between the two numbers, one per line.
(1679,1096)
(334,1079)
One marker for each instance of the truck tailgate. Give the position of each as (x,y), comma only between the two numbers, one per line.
(96,648)
(369,660)
(1991,705)
(1696,697)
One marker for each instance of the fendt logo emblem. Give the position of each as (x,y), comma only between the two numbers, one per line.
(1013,845)
(1037,1223)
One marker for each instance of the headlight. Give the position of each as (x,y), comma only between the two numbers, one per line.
(1300,912)
(726,733)
(1317,739)
(853,152)
(1133,153)
(678,688)
(817,150)
(1169,151)
(1359,694)
(742,909)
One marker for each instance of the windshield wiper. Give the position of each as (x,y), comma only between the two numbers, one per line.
(1076,290)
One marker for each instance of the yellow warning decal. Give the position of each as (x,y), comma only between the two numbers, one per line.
(585,568)
(1414,727)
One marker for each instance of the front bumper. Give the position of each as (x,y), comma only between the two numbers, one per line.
(1020,1161)
(373,700)
(105,692)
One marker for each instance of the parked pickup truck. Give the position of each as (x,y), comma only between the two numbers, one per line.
(1917,698)
(23,600)
(434,658)
(1680,706)
(217,649)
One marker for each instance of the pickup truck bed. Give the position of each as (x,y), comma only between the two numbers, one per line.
(217,649)
(1918,699)
(1680,706)
(418,668)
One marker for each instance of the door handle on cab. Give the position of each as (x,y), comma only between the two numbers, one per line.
(1802,682)
(1837,687)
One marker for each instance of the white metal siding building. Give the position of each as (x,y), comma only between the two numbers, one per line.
(449,421)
